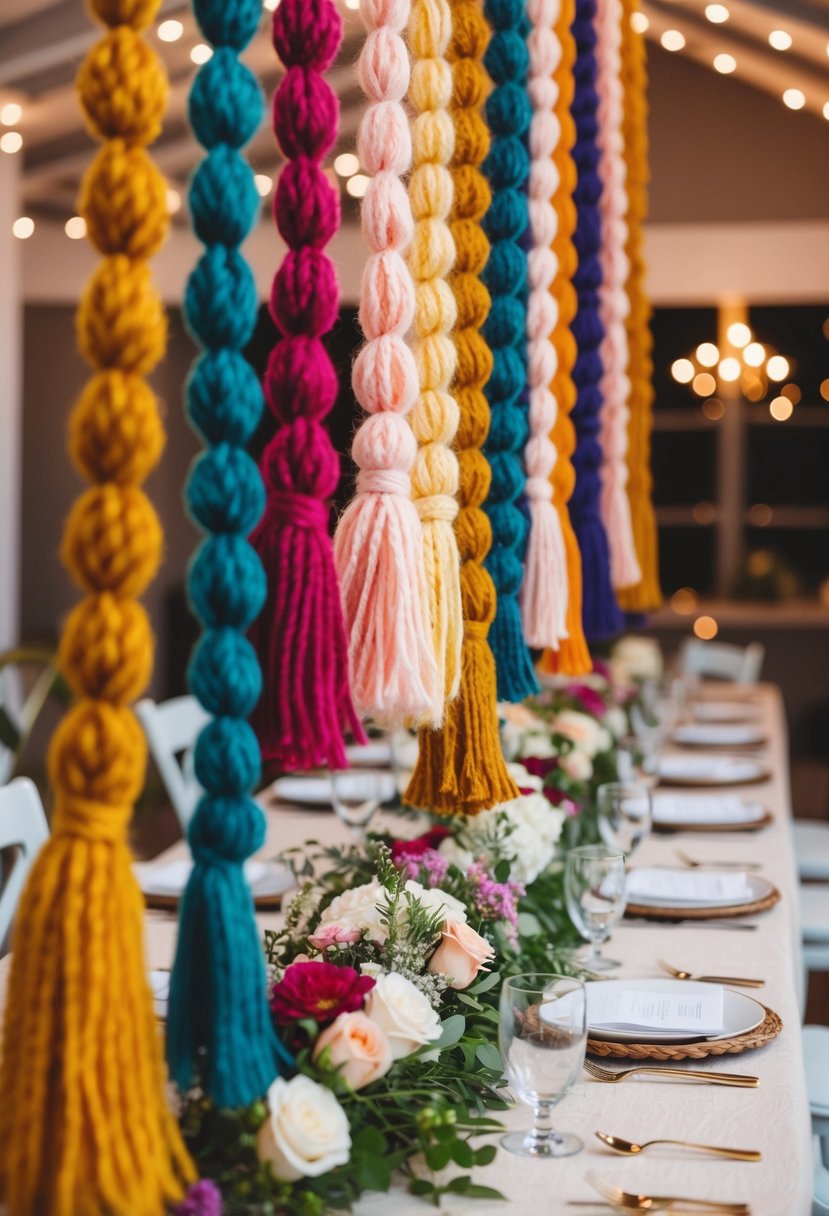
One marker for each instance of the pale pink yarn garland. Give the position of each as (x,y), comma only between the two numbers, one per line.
(378,544)
(613,298)
(544,591)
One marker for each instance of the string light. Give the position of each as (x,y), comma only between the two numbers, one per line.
(725,64)
(201,53)
(824,389)
(777,368)
(353,5)
(717,13)
(75,228)
(706,628)
(781,409)
(271,5)
(23,227)
(739,334)
(795,99)
(713,409)
(357,185)
(263,184)
(682,371)
(170,31)
(754,355)
(780,40)
(673,40)
(792,392)
(173,200)
(10,114)
(346,164)
(729,369)
(704,384)
(684,600)
(826,109)
(760,515)
(639,23)
(707,354)
(11,141)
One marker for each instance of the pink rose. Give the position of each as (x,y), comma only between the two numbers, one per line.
(332,934)
(358,1047)
(462,953)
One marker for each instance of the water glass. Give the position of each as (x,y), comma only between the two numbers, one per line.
(542,1035)
(625,815)
(594,889)
(356,793)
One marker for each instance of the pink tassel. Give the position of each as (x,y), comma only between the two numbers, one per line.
(544,591)
(613,299)
(378,545)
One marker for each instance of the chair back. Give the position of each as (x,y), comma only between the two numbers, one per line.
(23,826)
(172,729)
(722,660)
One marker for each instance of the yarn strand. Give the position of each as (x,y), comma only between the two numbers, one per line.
(218,1021)
(84,1124)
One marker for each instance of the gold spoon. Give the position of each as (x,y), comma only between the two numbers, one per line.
(728,980)
(629,1148)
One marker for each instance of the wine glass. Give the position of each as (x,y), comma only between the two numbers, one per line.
(356,793)
(594,889)
(625,815)
(542,1035)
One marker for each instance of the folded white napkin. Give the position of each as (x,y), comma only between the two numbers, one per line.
(712,733)
(705,768)
(682,887)
(704,808)
(170,877)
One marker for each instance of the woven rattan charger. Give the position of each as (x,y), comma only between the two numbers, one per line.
(749,825)
(169,903)
(701,1049)
(675,912)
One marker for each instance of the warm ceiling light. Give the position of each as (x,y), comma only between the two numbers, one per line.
(11,141)
(725,64)
(201,52)
(173,200)
(754,355)
(781,409)
(11,114)
(777,368)
(357,185)
(717,13)
(739,334)
(713,409)
(639,23)
(684,600)
(780,40)
(23,227)
(75,228)
(707,354)
(263,184)
(729,369)
(170,31)
(704,384)
(673,40)
(795,99)
(682,371)
(706,628)
(346,164)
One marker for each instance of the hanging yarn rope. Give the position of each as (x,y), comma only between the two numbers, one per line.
(300,637)
(378,545)
(646,594)
(84,1125)
(572,656)
(218,1019)
(613,300)
(461,768)
(434,418)
(507,169)
(544,593)
(601,614)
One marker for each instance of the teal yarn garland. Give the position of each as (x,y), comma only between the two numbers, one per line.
(507,166)
(219,1026)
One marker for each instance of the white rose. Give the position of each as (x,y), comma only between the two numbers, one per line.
(536,826)
(577,765)
(538,743)
(616,721)
(455,854)
(306,1132)
(635,659)
(435,900)
(586,733)
(523,779)
(403,1012)
(360,909)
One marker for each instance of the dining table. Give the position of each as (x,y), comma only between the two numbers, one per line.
(772,1118)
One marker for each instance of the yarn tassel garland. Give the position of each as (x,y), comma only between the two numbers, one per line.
(219,1024)
(613,299)
(85,1128)
(544,593)
(507,169)
(645,595)
(434,418)
(461,767)
(601,614)
(378,544)
(300,636)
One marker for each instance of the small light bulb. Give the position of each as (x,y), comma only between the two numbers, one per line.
(779,40)
(673,40)
(754,355)
(707,354)
(704,384)
(781,409)
(777,368)
(346,164)
(173,200)
(11,141)
(795,99)
(75,228)
(23,227)
(725,64)
(201,53)
(352,4)
(263,184)
(357,185)
(170,31)
(739,334)
(271,5)
(826,109)
(11,114)
(682,371)
(639,23)
(729,369)
(717,13)
(706,628)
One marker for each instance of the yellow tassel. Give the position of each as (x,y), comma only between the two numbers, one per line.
(84,1125)
(572,658)
(434,418)
(645,595)
(461,767)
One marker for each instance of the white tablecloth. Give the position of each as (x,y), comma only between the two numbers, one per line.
(773,1118)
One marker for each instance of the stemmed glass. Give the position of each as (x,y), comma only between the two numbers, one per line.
(625,815)
(542,1036)
(594,889)
(356,793)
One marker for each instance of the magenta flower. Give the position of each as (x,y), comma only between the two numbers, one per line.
(587,697)
(203,1198)
(318,990)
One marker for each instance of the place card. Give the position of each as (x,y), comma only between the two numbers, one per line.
(680,887)
(695,1009)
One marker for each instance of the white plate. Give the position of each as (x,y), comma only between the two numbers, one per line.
(307,791)
(724,711)
(376,753)
(703,734)
(705,811)
(757,888)
(710,770)
(266,878)
(741,1013)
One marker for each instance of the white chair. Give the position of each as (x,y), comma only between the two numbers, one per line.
(816,1060)
(172,729)
(814,928)
(22,826)
(740,664)
(811,846)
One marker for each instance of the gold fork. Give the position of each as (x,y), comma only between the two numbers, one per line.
(661,1203)
(742,1080)
(716,865)
(709,979)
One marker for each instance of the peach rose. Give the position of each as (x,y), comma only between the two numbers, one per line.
(359,1045)
(462,953)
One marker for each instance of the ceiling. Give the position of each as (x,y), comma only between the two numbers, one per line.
(42,44)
